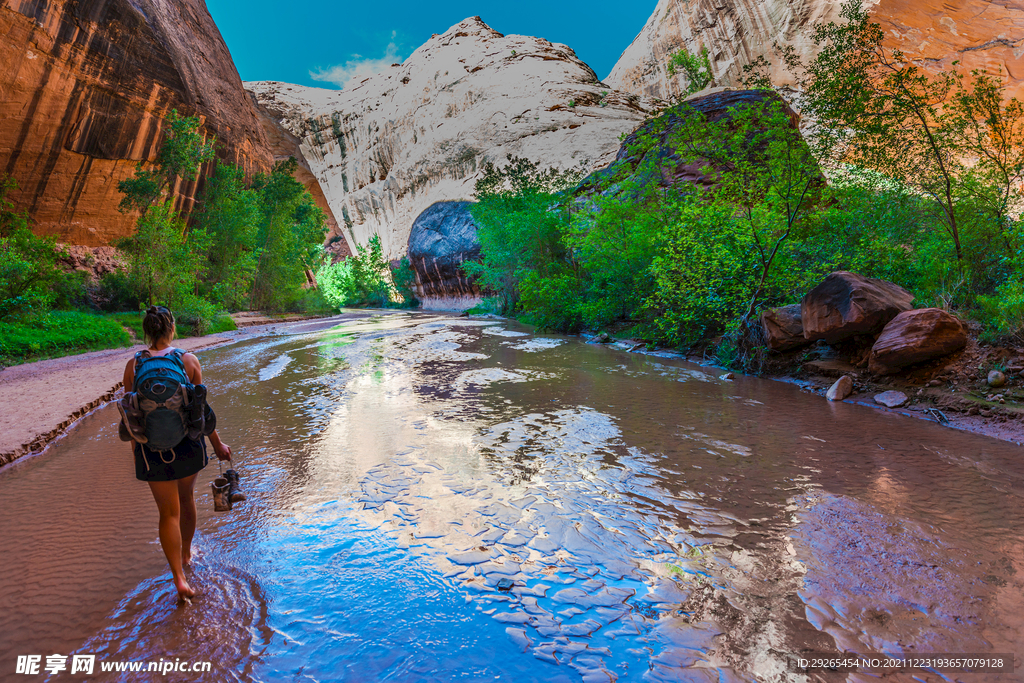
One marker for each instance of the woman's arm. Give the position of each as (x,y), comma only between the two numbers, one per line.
(129,375)
(129,380)
(195,375)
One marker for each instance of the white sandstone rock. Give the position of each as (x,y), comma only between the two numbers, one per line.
(385,149)
(842,388)
(934,34)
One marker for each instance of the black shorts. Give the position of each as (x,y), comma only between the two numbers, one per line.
(186,459)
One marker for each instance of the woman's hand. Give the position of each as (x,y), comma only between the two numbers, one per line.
(222,450)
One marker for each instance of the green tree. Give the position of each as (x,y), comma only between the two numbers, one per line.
(952,141)
(761,166)
(520,220)
(163,264)
(696,69)
(229,212)
(290,238)
(181,154)
(28,264)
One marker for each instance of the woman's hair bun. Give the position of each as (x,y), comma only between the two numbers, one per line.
(158,323)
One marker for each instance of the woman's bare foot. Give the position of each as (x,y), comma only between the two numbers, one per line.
(185,591)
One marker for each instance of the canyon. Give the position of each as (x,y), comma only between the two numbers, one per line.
(422,131)
(90,82)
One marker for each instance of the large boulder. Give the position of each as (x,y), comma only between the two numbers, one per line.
(783,330)
(659,162)
(443,237)
(914,337)
(846,305)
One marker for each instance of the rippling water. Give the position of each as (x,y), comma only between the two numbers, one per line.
(657,523)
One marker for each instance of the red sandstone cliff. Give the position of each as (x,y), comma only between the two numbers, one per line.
(83,93)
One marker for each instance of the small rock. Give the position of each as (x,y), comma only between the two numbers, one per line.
(842,388)
(727,375)
(891,399)
(986,413)
(996,379)
(973,410)
(934,383)
(604,338)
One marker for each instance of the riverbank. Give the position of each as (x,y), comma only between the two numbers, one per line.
(952,391)
(44,398)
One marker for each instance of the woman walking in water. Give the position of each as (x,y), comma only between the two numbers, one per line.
(172,478)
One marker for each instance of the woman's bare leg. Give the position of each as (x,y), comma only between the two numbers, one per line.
(166,495)
(187,521)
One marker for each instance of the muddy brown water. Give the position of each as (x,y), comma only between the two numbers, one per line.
(657,523)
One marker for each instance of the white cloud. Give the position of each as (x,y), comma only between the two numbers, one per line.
(359,67)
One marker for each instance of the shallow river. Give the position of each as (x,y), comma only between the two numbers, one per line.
(658,523)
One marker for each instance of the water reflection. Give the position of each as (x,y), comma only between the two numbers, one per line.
(435,498)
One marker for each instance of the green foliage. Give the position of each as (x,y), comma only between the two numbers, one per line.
(29,277)
(289,239)
(705,275)
(133,321)
(58,333)
(183,151)
(404,277)
(163,264)
(367,279)
(1004,311)
(696,69)
(554,302)
(519,224)
(613,243)
(117,293)
(763,169)
(230,214)
(960,143)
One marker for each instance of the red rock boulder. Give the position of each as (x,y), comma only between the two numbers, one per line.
(846,305)
(914,337)
(783,330)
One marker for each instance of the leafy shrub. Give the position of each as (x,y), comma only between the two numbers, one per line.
(116,293)
(195,316)
(1003,312)
(28,264)
(367,279)
(552,303)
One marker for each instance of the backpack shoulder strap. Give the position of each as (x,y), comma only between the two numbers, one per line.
(141,357)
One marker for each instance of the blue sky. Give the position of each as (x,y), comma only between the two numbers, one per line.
(292,41)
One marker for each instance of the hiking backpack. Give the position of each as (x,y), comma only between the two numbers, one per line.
(163,407)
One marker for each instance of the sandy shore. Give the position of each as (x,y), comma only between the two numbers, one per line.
(42,399)
(38,404)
